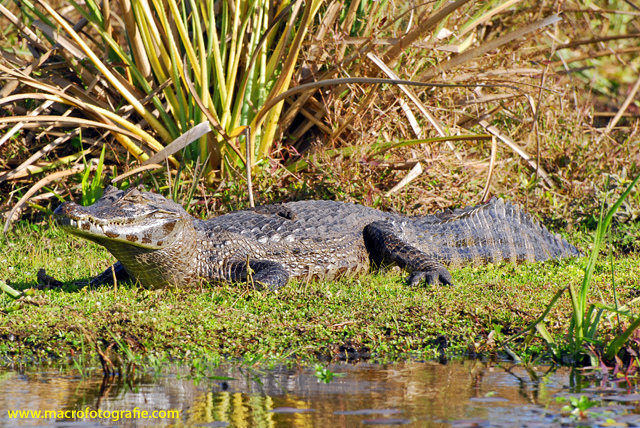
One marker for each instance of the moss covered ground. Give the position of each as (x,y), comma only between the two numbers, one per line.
(374,316)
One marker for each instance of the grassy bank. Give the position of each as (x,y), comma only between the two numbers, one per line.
(373,315)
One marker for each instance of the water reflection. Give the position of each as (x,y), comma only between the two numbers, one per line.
(415,394)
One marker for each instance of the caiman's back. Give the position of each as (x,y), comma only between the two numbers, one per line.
(310,239)
(302,218)
(327,239)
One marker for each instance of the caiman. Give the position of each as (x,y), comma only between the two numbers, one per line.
(158,243)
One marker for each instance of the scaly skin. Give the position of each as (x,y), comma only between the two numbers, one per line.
(158,243)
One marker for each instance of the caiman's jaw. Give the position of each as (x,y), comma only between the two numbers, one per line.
(137,218)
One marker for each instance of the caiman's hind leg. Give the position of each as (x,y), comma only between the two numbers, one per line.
(266,273)
(385,247)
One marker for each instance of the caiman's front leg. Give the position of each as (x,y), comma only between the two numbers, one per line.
(385,247)
(271,275)
(106,277)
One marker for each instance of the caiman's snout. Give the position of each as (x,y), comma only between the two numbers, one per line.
(69,216)
(79,220)
(68,211)
(125,217)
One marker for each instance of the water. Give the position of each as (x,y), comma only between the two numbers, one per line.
(429,394)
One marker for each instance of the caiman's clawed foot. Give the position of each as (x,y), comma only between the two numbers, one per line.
(45,282)
(265,274)
(431,277)
(386,247)
(272,277)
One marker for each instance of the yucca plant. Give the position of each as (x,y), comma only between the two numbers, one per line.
(236,59)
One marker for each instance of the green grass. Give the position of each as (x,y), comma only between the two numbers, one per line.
(375,314)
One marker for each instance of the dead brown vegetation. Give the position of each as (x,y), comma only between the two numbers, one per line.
(558,98)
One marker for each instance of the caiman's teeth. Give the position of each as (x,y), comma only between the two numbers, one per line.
(96,222)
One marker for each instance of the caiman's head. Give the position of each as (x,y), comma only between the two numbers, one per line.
(126,218)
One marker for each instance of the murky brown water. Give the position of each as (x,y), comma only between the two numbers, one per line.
(460,394)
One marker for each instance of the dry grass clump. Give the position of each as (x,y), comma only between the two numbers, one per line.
(547,113)
(558,116)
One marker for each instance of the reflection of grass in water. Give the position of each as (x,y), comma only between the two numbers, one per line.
(324,374)
(237,409)
(413,391)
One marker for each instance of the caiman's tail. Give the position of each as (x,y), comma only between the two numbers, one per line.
(493,232)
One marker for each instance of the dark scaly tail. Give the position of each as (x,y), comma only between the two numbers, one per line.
(492,232)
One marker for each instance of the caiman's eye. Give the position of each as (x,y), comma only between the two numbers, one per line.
(135,197)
